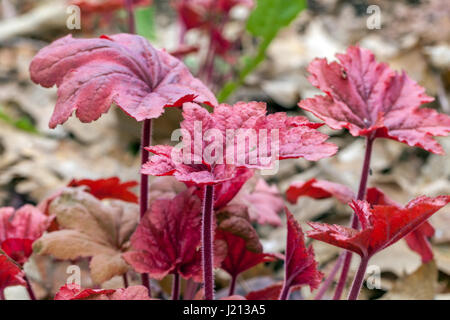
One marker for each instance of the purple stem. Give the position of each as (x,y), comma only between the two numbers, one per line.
(232,285)
(361,195)
(30,289)
(285,291)
(327,283)
(131,18)
(146,140)
(359,279)
(207,242)
(176,287)
(125,280)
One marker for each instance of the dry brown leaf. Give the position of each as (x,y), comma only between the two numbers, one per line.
(91,228)
(420,285)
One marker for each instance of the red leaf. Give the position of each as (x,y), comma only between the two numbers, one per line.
(75,292)
(124,69)
(239,257)
(28,222)
(110,188)
(417,240)
(90,6)
(368,98)
(18,249)
(226,191)
(10,273)
(270,293)
(174,225)
(382,225)
(319,189)
(300,266)
(197,163)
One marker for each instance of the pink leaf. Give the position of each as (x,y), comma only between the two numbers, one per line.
(369,98)
(28,222)
(124,69)
(230,125)
(75,292)
(10,273)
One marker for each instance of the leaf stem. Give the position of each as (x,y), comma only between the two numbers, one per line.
(131,17)
(207,242)
(232,285)
(30,289)
(125,280)
(284,294)
(146,140)
(329,280)
(176,286)
(2,294)
(359,279)
(361,195)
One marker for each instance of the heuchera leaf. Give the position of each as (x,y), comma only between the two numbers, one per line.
(300,265)
(19,229)
(297,138)
(370,99)
(381,225)
(174,225)
(319,189)
(98,6)
(75,292)
(269,293)
(10,274)
(417,240)
(239,257)
(124,69)
(91,228)
(111,188)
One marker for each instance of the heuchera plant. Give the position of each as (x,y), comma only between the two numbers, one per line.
(203,214)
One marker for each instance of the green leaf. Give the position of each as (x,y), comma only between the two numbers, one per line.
(22,123)
(270,16)
(145,22)
(265,21)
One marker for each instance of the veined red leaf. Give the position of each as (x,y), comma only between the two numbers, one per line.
(111,188)
(124,69)
(300,265)
(381,225)
(369,98)
(172,224)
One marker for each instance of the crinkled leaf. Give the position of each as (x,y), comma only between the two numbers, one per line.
(111,188)
(300,265)
(172,224)
(91,228)
(269,293)
(124,69)
(381,225)
(369,98)
(10,273)
(196,162)
(319,189)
